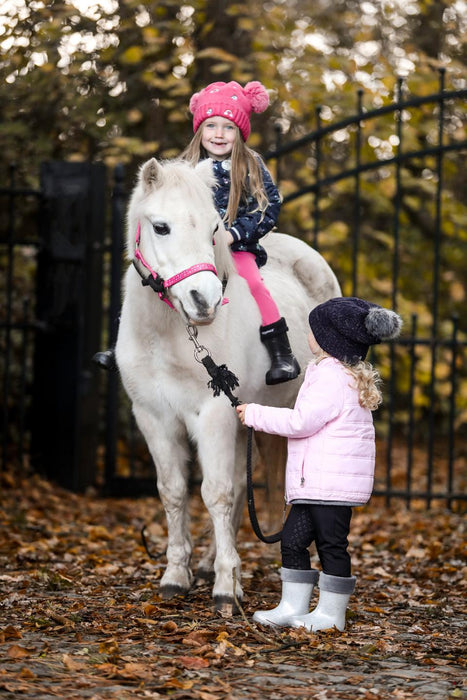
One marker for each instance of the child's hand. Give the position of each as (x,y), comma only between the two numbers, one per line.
(241,412)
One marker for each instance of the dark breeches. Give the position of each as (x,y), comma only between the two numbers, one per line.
(328,527)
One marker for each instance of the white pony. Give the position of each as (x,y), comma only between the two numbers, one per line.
(178,240)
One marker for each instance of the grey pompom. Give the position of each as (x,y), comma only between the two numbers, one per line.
(383,323)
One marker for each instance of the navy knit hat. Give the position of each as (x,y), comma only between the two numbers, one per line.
(345,327)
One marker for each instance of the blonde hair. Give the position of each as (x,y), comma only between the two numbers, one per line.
(368,382)
(246,177)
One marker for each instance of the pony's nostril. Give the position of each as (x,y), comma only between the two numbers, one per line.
(200,301)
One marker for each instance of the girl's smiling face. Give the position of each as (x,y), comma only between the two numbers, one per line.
(217,137)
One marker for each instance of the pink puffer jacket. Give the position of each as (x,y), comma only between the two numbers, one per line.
(331,438)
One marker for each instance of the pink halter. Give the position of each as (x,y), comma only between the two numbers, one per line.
(155,281)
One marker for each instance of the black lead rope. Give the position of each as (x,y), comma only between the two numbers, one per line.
(222,379)
(269,539)
(145,545)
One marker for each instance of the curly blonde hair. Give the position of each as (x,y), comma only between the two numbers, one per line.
(368,383)
(246,177)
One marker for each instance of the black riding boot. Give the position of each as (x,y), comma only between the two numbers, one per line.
(106,360)
(284,366)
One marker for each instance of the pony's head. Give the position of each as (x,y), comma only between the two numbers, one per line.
(176,236)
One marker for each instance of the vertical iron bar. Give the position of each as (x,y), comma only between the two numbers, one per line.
(452,409)
(356,228)
(117,226)
(395,273)
(22,388)
(410,437)
(317,169)
(436,273)
(398,199)
(9,301)
(390,425)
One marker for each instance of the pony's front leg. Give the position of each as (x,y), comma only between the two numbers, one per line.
(205,569)
(216,450)
(168,447)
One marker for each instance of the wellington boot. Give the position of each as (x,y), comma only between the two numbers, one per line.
(297,589)
(334,594)
(284,365)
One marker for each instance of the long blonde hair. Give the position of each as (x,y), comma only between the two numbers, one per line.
(246,177)
(368,383)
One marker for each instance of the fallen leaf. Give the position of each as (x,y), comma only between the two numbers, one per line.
(110,646)
(71,664)
(10,632)
(26,673)
(379,571)
(203,695)
(416,553)
(175,683)
(135,670)
(196,639)
(193,662)
(149,609)
(18,652)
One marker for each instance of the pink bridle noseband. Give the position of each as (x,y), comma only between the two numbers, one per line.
(156,282)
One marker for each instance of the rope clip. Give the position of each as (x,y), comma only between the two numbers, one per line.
(198,349)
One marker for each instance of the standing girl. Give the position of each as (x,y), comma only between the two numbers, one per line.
(331,458)
(245,197)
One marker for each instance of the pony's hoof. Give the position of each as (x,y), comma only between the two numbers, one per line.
(226,605)
(171,591)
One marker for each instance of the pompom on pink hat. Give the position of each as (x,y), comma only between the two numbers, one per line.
(231,101)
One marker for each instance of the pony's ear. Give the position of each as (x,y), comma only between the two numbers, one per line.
(204,170)
(151,174)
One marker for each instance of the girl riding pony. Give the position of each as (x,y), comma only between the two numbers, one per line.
(245,197)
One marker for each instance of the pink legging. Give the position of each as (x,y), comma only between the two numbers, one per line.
(248,269)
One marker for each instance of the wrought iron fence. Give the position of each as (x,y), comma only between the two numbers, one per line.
(366,163)
(425,368)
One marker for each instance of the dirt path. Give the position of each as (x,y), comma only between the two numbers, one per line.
(80,614)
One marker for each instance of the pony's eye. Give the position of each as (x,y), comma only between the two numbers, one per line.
(161,229)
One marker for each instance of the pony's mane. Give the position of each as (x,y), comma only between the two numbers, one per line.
(224,261)
(179,173)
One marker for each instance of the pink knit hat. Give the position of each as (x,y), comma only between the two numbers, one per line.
(231,101)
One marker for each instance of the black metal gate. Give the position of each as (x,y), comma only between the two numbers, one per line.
(52,321)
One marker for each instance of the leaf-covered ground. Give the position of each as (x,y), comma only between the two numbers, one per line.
(81,617)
